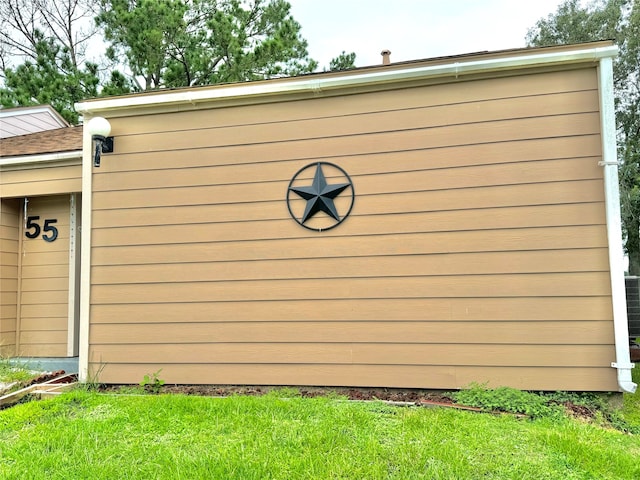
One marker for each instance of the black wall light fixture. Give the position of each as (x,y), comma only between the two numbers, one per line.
(99,128)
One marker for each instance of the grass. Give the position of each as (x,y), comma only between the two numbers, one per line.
(631,402)
(11,373)
(89,435)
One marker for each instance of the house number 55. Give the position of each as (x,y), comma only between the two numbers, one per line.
(50,233)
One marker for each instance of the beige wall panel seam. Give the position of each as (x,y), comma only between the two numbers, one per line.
(413,211)
(501,218)
(41,174)
(550,193)
(594,332)
(433,95)
(517,130)
(441,94)
(413,310)
(391,265)
(51,271)
(445,377)
(414,243)
(199,197)
(267,176)
(41,188)
(472,286)
(377,160)
(444,136)
(43,350)
(412,181)
(374,122)
(360,353)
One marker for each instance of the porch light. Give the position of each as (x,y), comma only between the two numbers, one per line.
(99,128)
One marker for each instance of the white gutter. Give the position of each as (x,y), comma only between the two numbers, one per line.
(614,227)
(317,84)
(43,158)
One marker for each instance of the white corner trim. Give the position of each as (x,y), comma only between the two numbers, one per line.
(614,226)
(37,159)
(85,259)
(316,84)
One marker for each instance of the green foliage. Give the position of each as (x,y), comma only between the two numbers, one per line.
(618,20)
(344,61)
(631,403)
(506,399)
(599,405)
(551,405)
(172,43)
(151,44)
(284,392)
(572,23)
(50,79)
(10,373)
(152,382)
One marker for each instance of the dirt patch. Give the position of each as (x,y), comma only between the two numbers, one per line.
(44,377)
(578,411)
(425,398)
(385,394)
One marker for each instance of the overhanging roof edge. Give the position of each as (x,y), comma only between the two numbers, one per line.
(456,68)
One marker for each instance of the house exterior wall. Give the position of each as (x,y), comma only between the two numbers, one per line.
(9,228)
(44,276)
(33,180)
(476,249)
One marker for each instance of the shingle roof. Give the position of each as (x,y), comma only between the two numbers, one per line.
(66,139)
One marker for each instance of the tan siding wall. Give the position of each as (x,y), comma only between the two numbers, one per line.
(476,249)
(45,282)
(9,233)
(40,180)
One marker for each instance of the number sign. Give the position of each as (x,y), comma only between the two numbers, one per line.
(50,233)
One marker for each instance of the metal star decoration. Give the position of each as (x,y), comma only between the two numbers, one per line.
(320,195)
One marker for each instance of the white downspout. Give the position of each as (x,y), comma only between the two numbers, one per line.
(614,226)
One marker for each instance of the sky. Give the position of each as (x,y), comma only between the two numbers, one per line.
(414,29)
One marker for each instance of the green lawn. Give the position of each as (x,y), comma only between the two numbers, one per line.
(90,435)
(631,408)
(10,373)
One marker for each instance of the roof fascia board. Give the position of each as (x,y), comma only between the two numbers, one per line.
(38,159)
(317,85)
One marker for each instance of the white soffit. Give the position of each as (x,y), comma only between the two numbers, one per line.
(26,120)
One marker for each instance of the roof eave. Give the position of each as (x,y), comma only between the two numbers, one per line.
(457,68)
(40,158)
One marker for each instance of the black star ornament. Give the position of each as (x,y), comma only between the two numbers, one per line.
(320,196)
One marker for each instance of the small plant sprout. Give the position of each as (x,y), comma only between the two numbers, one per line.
(152,382)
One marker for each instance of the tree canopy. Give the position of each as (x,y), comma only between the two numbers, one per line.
(618,20)
(151,44)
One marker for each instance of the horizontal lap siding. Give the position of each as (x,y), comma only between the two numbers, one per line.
(476,244)
(42,180)
(9,227)
(45,282)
